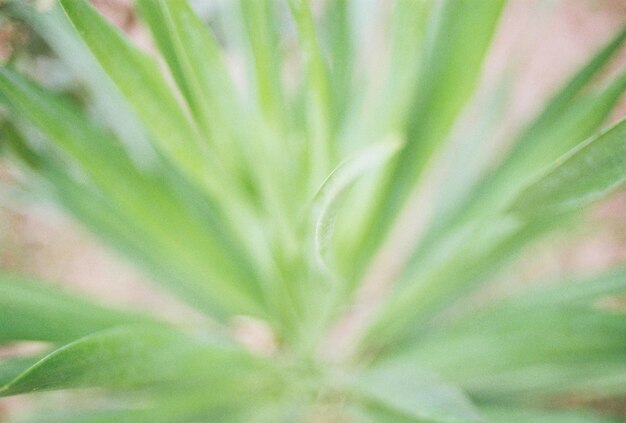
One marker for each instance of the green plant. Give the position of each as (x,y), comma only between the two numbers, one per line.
(273,198)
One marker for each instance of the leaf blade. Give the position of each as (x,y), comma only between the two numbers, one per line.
(584,176)
(414,393)
(135,357)
(544,342)
(131,194)
(139,79)
(440,94)
(35,312)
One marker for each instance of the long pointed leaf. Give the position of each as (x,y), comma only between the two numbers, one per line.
(135,357)
(132,193)
(417,394)
(262,29)
(543,342)
(450,71)
(513,415)
(140,80)
(561,126)
(53,26)
(195,60)
(319,105)
(35,312)
(341,178)
(593,170)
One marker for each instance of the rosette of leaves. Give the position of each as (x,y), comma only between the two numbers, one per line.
(271,194)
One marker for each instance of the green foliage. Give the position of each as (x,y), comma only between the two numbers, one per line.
(270,197)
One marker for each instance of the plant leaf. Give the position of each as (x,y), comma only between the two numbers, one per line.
(319,104)
(563,100)
(584,176)
(184,406)
(262,26)
(450,71)
(135,357)
(371,413)
(492,197)
(538,150)
(10,368)
(324,205)
(139,79)
(461,267)
(545,341)
(132,194)
(53,26)
(32,311)
(513,415)
(194,58)
(570,117)
(418,394)
(340,45)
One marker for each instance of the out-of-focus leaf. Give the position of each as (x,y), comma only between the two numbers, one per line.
(490,198)
(341,178)
(115,228)
(460,268)
(322,212)
(595,177)
(583,176)
(58,120)
(538,150)
(53,26)
(319,106)
(103,416)
(579,291)
(10,368)
(32,311)
(133,193)
(370,413)
(404,388)
(473,146)
(512,415)
(262,26)
(140,80)
(179,34)
(180,407)
(195,60)
(542,342)
(563,100)
(451,67)
(377,110)
(138,356)
(157,415)
(341,51)
(586,175)
(196,63)
(570,117)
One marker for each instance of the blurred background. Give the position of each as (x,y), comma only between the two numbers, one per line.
(539,43)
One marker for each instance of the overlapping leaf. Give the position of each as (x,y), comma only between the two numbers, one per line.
(132,193)
(32,311)
(216,216)
(554,340)
(448,74)
(141,357)
(586,175)
(413,393)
